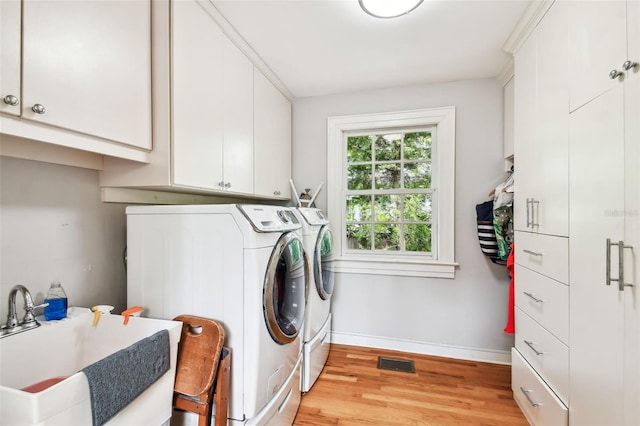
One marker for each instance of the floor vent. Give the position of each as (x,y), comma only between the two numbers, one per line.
(404,365)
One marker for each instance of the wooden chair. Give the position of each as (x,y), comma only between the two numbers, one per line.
(203,362)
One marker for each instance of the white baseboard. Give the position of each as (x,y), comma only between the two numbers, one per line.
(482,355)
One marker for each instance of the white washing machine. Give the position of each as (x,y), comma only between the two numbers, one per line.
(318,245)
(243,265)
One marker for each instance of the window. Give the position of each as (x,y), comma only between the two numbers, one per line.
(391,188)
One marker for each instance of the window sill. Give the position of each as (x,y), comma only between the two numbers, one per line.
(405,268)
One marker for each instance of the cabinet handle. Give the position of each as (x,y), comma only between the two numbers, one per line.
(620,279)
(535,299)
(530,344)
(38,109)
(11,100)
(533,213)
(526,395)
(532,253)
(615,74)
(528,215)
(628,65)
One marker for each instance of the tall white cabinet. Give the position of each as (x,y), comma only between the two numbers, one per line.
(541,217)
(604,252)
(577,123)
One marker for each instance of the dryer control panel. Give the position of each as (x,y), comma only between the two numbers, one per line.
(313,216)
(270,218)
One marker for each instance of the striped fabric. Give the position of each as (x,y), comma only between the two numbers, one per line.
(487,233)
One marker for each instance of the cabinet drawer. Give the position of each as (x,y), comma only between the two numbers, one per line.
(545,254)
(538,403)
(545,300)
(546,354)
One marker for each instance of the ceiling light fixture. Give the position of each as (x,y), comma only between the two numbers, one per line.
(388,8)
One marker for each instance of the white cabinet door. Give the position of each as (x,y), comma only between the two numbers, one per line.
(88,65)
(272,139)
(632,218)
(597,35)
(508,118)
(525,153)
(10,17)
(541,129)
(596,309)
(551,210)
(237,96)
(196,94)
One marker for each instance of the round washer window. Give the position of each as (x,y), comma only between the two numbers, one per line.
(284,294)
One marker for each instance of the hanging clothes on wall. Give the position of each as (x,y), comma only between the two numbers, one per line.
(503,216)
(511,320)
(495,222)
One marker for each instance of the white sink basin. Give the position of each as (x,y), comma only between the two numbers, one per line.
(62,349)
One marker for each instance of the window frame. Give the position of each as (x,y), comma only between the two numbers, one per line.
(440,263)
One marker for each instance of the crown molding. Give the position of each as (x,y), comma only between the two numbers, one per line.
(507,73)
(526,24)
(244,47)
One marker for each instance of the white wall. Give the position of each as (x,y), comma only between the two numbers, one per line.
(53,226)
(463,317)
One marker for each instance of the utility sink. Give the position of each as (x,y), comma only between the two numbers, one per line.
(46,361)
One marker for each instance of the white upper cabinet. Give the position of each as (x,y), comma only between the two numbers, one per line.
(597,35)
(541,128)
(78,74)
(196,88)
(272,139)
(10,16)
(508,118)
(237,95)
(216,130)
(87,67)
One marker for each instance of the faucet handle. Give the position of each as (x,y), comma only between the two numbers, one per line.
(29,317)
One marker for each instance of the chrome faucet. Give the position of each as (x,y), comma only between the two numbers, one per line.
(12,317)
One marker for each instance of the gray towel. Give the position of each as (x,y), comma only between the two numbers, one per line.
(118,379)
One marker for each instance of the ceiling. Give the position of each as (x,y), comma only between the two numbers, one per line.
(321,47)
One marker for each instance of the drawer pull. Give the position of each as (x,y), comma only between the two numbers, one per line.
(535,299)
(530,344)
(532,253)
(526,395)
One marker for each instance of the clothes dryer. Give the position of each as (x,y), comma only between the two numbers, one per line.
(318,244)
(243,265)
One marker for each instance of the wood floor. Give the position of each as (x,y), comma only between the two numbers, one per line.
(352,391)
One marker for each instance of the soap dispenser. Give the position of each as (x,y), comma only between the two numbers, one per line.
(57,300)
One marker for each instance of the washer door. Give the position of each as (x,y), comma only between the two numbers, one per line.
(285,287)
(322,254)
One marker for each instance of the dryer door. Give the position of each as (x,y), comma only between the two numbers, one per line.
(322,273)
(284,295)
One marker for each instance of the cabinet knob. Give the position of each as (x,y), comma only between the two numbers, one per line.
(38,109)
(227,185)
(628,65)
(276,192)
(11,100)
(221,184)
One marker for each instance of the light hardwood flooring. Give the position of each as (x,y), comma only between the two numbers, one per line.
(351,391)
